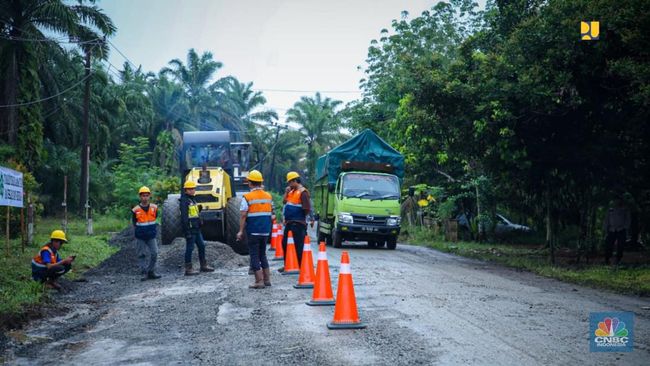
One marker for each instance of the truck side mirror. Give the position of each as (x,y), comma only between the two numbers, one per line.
(331,187)
(411,191)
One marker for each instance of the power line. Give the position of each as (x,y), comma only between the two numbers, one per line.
(310,91)
(47,98)
(122,54)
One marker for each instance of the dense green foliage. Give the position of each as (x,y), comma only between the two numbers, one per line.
(551,126)
(136,117)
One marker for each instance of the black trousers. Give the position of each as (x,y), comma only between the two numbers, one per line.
(257,250)
(615,238)
(299,230)
(43,274)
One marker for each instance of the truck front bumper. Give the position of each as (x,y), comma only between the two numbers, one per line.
(211,215)
(367,232)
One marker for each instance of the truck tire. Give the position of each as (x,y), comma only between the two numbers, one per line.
(171,219)
(232,226)
(337,240)
(373,244)
(391,242)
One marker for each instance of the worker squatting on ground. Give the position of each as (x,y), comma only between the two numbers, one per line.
(256,218)
(192,229)
(47,266)
(297,207)
(144,219)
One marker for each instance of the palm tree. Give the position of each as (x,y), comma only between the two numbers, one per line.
(194,76)
(319,124)
(22,27)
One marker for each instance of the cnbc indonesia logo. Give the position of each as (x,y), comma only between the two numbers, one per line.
(611,333)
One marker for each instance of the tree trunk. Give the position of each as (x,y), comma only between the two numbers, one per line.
(83,193)
(10,120)
(550,239)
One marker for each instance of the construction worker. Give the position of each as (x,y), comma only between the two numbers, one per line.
(144,219)
(297,207)
(192,229)
(47,266)
(256,217)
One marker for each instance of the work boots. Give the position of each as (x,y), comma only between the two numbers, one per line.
(189,271)
(205,267)
(259,280)
(266,272)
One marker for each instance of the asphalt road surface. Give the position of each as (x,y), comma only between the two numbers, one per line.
(421,307)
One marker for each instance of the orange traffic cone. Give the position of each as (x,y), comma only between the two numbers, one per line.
(274,236)
(345,311)
(306,279)
(279,253)
(322,294)
(291,259)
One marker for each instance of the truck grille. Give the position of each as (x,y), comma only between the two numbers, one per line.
(369,219)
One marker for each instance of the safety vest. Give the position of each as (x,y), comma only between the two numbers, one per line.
(145,222)
(194,222)
(293,207)
(38,259)
(260,209)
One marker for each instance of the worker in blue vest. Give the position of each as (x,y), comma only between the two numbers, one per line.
(47,265)
(144,217)
(297,208)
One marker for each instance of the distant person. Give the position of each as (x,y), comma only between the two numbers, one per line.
(615,226)
(297,208)
(144,217)
(48,266)
(256,219)
(192,229)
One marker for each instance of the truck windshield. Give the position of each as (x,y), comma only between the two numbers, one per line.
(370,186)
(210,155)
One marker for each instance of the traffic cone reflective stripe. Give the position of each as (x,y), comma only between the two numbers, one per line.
(322,294)
(291,258)
(345,310)
(279,253)
(306,279)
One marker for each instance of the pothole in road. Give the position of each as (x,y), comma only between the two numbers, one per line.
(229,313)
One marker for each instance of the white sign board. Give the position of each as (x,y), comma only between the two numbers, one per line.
(11,188)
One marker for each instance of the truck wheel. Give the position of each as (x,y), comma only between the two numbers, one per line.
(171,219)
(232,226)
(337,240)
(391,243)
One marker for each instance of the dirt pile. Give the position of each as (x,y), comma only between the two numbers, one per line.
(218,254)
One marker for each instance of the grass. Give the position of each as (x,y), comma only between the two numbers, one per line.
(19,292)
(629,279)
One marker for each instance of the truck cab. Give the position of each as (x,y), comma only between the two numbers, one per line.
(367,208)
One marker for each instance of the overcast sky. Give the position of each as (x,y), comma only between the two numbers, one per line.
(304,45)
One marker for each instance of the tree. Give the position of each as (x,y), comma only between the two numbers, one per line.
(319,124)
(22,26)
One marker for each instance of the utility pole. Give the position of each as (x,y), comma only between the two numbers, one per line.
(275,146)
(85,149)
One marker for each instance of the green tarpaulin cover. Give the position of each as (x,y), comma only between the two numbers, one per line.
(364,147)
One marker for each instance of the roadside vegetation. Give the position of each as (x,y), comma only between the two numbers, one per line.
(630,278)
(19,294)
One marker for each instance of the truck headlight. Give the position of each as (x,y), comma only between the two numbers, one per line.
(393,221)
(345,218)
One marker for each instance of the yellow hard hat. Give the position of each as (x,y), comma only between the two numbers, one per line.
(144,189)
(292,175)
(58,235)
(255,176)
(189,184)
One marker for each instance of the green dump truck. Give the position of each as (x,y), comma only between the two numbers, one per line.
(357,191)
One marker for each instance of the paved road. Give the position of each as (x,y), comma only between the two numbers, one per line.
(421,307)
